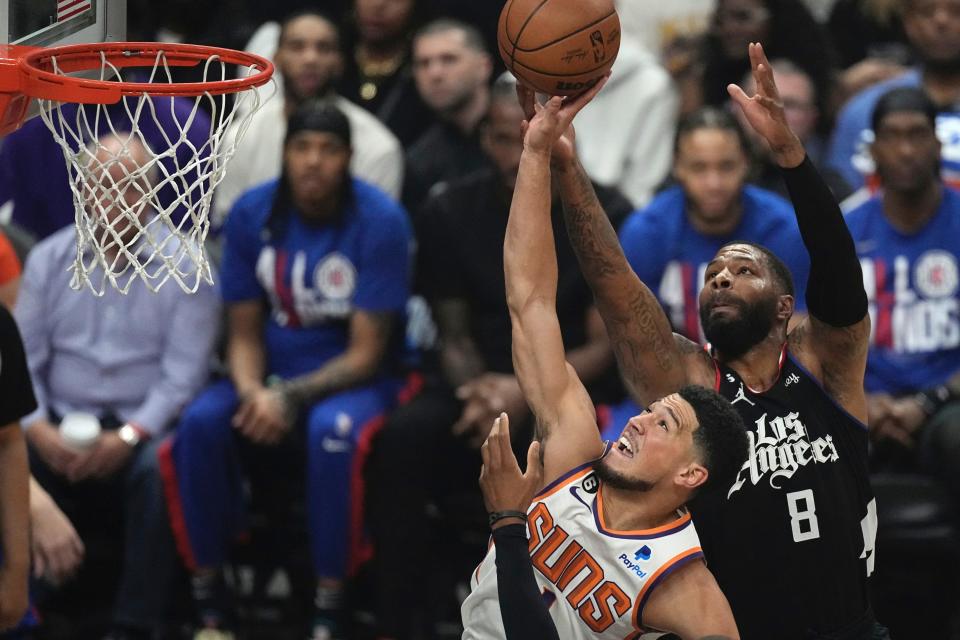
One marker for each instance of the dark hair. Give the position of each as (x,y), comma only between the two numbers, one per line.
(721,436)
(305,13)
(779,270)
(792,32)
(471,35)
(912,99)
(711,118)
(313,115)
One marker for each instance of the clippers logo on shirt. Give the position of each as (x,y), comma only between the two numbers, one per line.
(308,300)
(914,304)
(778,449)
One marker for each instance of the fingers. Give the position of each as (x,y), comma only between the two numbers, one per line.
(534,463)
(495,439)
(762,72)
(503,439)
(527,98)
(738,95)
(575,103)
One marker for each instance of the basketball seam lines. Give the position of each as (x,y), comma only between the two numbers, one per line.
(513,54)
(559,75)
(573,33)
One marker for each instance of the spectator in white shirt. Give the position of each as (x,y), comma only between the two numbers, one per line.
(309,62)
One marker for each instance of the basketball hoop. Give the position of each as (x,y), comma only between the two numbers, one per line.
(124,231)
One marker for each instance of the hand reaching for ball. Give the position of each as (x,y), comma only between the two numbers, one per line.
(548,128)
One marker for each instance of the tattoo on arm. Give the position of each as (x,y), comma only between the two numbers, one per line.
(593,237)
(349,368)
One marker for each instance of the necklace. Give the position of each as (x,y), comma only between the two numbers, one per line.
(373,71)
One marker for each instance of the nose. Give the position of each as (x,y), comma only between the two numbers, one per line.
(722,280)
(637,423)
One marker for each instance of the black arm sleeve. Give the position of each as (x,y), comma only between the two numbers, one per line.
(835,293)
(522,608)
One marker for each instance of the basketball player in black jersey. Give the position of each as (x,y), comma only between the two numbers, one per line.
(791,541)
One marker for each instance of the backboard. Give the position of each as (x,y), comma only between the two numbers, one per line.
(55,22)
(46,23)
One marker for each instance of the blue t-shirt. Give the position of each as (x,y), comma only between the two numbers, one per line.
(315,276)
(670,256)
(849,151)
(914,293)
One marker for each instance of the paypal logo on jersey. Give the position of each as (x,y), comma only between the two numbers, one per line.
(643,553)
(634,567)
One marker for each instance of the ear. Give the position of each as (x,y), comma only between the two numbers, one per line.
(691,476)
(785,307)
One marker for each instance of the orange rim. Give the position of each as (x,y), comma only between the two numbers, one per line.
(40,81)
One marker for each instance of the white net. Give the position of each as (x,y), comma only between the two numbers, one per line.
(143,172)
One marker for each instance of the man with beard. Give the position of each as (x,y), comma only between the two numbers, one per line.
(609,537)
(801,506)
(452,70)
(309,60)
(670,242)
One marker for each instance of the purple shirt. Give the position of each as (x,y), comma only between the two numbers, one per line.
(33,172)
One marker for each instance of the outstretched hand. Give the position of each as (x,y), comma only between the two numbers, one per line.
(504,487)
(764,111)
(548,128)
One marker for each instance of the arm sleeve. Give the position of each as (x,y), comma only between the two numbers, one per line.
(835,293)
(522,608)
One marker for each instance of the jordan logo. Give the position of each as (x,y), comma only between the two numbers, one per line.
(742,396)
(791,379)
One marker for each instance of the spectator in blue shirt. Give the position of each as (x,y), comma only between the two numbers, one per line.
(133,361)
(933,30)
(670,242)
(315,279)
(908,240)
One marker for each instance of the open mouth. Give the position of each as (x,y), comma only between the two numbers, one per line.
(626,446)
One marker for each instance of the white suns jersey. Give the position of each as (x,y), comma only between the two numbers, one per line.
(594,580)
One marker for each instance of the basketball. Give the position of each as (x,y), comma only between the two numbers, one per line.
(559,47)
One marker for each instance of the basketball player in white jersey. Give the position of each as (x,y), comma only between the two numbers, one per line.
(614,551)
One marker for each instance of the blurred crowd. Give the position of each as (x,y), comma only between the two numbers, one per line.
(296,449)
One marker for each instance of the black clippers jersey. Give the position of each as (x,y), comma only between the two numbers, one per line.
(791,541)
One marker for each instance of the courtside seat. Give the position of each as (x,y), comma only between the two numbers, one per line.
(915,582)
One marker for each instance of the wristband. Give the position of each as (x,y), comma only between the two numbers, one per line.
(932,400)
(500,515)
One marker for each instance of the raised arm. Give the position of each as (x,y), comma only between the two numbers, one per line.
(647,352)
(566,421)
(833,341)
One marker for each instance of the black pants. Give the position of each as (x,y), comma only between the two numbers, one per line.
(123,523)
(426,511)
